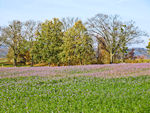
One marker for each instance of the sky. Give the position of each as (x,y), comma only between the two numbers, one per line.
(40,10)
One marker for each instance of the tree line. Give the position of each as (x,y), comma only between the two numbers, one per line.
(70,41)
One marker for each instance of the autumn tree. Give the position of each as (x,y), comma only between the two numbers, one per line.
(131,54)
(77,46)
(102,53)
(148,47)
(13,35)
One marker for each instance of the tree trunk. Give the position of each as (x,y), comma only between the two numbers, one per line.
(32,61)
(98,53)
(111,58)
(15,60)
(69,63)
(80,61)
(123,58)
(49,64)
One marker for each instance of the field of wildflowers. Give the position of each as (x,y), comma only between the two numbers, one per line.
(116,88)
(107,70)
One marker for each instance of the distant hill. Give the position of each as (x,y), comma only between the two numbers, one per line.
(141,52)
(138,52)
(3,51)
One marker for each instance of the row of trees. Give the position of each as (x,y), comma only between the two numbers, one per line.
(70,41)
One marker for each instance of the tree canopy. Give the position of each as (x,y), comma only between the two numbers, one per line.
(77,45)
(113,33)
(70,41)
(49,40)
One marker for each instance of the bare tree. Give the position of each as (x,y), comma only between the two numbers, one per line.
(113,33)
(2,38)
(13,36)
(31,28)
(68,22)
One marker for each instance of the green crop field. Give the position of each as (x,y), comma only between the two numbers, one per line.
(75,94)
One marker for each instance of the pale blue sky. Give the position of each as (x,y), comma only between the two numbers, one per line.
(137,10)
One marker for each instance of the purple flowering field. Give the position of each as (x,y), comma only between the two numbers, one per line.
(76,89)
(106,70)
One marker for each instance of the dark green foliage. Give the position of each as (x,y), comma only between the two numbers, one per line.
(49,40)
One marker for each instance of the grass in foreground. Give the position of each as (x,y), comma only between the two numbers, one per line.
(75,94)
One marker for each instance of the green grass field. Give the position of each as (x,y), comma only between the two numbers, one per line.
(4,63)
(75,94)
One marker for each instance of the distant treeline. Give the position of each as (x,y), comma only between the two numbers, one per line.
(70,41)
